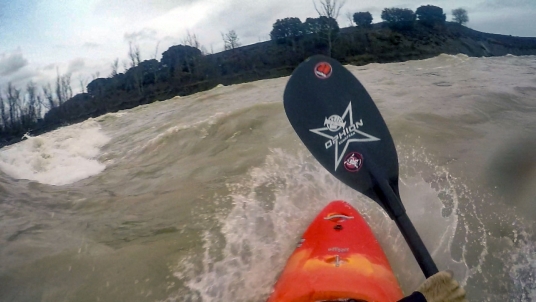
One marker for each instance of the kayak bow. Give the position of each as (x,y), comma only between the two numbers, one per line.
(337,259)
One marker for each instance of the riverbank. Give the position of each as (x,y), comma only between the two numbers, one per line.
(184,70)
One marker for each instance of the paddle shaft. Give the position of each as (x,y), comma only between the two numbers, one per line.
(416,245)
(398,213)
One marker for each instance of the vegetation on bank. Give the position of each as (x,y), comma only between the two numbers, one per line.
(185,69)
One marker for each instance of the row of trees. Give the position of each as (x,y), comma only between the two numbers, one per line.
(294,28)
(322,28)
(22,109)
(19,109)
(325,27)
(185,69)
(44,107)
(429,15)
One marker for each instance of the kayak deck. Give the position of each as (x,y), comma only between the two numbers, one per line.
(337,259)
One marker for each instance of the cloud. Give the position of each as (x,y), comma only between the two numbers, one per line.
(136,10)
(505,21)
(18,78)
(11,63)
(24,76)
(507,4)
(144,34)
(91,45)
(76,65)
(227,16)
(51,66)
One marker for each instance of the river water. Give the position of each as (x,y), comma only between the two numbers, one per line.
(203,198)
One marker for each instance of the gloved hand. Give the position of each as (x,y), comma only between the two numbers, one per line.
(442,287)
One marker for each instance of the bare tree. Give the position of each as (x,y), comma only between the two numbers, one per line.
(204,50)
(67,89)
(115,66)
(192,60)
(137,54)
(191,40)
(350,17)
(134,54)
(329,8)
(39,104)
(63,88)
(19,109)
(3,114)
(13,101)
(156,50)
(58,89)
(31,112)
(49,97)
(125,65)
(83,84)
(230,40)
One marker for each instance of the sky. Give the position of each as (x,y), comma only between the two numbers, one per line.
(42,38)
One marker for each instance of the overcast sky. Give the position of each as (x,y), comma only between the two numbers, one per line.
(39,38)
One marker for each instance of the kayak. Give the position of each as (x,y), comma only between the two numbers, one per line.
(337,259)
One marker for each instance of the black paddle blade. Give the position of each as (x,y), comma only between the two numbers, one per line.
(338,122)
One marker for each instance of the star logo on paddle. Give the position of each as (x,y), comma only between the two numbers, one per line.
(341,131)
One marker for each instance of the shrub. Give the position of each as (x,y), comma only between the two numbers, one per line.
(460,16)
(287,28)
(430,15)
(398,18)
(363,19)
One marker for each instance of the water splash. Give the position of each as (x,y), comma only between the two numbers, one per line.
(271,209)
(60,157)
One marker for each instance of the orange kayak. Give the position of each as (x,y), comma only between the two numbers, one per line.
(337,259)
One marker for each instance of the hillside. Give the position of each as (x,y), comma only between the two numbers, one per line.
(184,70)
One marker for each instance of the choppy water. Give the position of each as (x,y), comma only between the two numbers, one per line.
(204,197)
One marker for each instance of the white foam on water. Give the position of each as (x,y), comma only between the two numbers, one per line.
(424,207)
(111,115)
(523,272)
(271,210)
(161,137)
(60,157)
